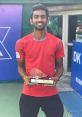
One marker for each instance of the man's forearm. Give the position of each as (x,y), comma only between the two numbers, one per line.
(22,72)
(59,73)
(59,68)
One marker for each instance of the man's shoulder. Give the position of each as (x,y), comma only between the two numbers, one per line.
(53,37)
(24,39)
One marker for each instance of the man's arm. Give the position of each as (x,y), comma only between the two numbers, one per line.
(22,71)
(59,69)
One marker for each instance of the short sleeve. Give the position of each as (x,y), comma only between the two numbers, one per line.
(59,50)
(19,47)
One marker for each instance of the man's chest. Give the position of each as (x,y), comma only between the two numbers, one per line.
(36,50)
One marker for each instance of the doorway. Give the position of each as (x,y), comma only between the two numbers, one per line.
(64,25)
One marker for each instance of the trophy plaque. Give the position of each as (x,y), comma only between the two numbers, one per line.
(36,80)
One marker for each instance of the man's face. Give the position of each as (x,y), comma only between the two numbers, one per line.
(39,19)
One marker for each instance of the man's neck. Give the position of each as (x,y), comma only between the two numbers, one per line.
(39,35)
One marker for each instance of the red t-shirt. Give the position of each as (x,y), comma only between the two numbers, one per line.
(40,57)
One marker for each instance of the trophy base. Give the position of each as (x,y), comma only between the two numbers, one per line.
(35,81)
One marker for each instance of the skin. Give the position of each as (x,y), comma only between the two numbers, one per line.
(39,21)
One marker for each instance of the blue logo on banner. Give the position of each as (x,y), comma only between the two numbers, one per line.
(4,54)
(10,32)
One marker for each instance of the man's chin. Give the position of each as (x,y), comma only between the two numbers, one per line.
(40,28)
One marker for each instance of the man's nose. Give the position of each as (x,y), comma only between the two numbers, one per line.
(39,18)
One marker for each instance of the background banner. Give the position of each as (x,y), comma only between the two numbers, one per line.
(10,31)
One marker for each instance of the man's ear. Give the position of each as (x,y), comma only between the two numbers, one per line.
(31,21)
(48,20)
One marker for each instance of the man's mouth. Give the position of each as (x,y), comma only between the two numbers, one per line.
(40,24)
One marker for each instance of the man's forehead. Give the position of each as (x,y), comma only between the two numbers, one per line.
(39,12)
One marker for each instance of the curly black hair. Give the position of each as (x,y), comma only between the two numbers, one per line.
(39,7)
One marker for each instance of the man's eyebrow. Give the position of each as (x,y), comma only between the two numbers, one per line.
(39,15)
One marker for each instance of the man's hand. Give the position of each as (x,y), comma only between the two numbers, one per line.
(27,79)
(55,78)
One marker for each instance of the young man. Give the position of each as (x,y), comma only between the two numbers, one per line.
(40,54)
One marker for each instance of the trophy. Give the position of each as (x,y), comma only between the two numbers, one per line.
(40,78)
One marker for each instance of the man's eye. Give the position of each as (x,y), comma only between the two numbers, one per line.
(35,17)
(42,17)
